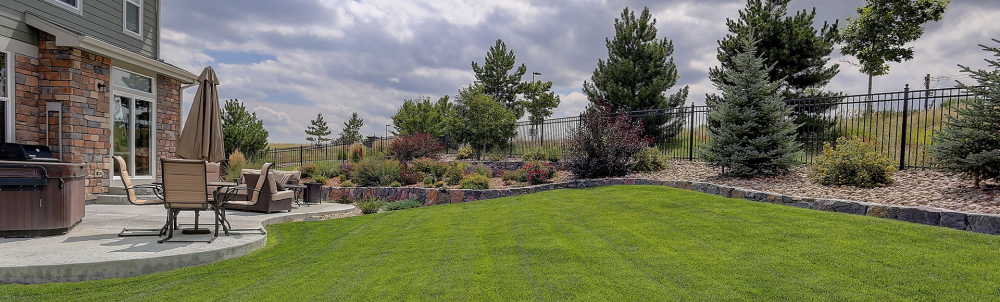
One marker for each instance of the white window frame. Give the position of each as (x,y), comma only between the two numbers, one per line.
(9,99)
(153,131)
(78,9)
(137,35)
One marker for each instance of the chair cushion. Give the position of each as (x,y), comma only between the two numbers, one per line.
(240,203)
(247,171)
(282,195)
(143,202)
(213,171)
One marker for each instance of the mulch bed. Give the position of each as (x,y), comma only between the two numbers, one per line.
(912,187)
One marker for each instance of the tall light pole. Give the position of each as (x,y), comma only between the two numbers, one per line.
(533,74)
(387,131)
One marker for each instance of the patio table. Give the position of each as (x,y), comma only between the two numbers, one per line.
(298,189)
(226,192)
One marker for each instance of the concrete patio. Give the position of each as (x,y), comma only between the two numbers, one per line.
(93,249)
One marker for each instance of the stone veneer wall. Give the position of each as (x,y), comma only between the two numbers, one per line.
(979,223)
(70,76)
(168,115)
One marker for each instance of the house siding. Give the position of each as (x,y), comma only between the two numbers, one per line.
(101,19)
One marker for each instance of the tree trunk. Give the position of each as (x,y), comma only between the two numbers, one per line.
(870,106)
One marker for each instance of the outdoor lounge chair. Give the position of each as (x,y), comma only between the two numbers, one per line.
(133,199)
(264,195)
(184,189)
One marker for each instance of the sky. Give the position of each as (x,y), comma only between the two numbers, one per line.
(289,60)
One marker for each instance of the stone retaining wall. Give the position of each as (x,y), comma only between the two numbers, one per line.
(979,223)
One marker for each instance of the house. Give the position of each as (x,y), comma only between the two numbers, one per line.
(95,67)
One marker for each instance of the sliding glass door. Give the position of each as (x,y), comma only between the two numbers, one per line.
(133,134)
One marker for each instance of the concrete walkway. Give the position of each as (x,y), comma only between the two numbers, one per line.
(93,249)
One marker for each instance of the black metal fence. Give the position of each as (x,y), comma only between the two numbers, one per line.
(297,156)
(900,124)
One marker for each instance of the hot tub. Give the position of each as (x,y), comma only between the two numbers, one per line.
(40,198)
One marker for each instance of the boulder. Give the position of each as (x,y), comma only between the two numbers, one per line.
(849,207)
(953,220)
(984,223)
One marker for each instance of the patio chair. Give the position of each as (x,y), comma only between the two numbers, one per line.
(264,196)
(133,199)
(184,189)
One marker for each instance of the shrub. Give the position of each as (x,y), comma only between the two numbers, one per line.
(357,152)
(309,170)
(480,169)
(376,172)
(329,169)
(465,152)
(371,206)
(516,175)
(395,184)
(439,184)
(475,182)
(233,168)
(648,160)
(342,153)
(604,143)
(408,175)
(345,170)
(536,172)
(402,205)
(347,184)
(548,154)
(237,158)
(432,167)
(852,162)
(410,146)
(320,179)
(428,181)
(455,174)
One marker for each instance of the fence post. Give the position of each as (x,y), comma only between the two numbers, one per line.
(902,136)
(691,138)
(300,155)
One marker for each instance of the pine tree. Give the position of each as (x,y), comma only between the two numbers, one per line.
(799,54)
(970,143)
(319,130)
(242,130)
(496,80)
(749,134)
(352,130)
(637,73)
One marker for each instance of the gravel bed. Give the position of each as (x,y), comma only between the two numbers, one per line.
(911,188)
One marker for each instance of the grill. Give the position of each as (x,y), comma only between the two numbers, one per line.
(21,152)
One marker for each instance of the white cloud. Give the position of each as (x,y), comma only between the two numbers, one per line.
(341,56)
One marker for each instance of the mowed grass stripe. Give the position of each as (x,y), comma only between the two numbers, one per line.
(610,243)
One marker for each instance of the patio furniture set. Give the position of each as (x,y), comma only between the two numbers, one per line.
(198,186)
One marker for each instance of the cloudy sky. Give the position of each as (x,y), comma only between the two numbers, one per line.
(288,60)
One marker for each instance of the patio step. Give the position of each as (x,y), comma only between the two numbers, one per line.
(119,199)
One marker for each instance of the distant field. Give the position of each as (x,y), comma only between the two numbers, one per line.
(284,145)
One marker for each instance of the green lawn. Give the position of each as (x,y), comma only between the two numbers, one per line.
(639,243)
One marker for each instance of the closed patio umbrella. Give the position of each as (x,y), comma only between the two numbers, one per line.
(202,134)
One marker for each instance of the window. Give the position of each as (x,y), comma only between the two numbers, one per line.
(70,5)
(133,122)
(133,17)
(6,102)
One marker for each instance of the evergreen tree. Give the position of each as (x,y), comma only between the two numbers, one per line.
(496,80)
(540,100)
(318,131)
(637,73)
(242,130)
(797,51)
(352,130)
(422,116)
(749,134)
(970,143)
(877,35)
(480,121)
